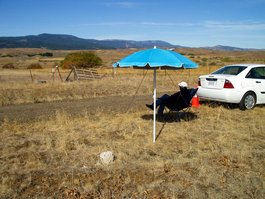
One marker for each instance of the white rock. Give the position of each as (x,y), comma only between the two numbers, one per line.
(106,157)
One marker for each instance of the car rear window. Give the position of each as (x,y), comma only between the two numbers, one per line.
(230,70)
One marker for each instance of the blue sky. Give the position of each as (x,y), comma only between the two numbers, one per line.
(194,23)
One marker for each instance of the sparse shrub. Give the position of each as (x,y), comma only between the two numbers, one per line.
(226,59)
(212,64)
(9,66)
(7,55)
(204,59)
(35,66)
(201,63)
(47,54)
(81,60)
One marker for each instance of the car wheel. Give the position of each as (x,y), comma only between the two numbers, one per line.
(248,101)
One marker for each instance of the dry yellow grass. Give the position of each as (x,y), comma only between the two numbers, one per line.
(211,152)
(218,154)
(17,88)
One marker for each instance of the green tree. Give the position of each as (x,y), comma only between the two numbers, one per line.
(81,60)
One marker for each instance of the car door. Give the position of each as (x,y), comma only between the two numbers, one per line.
(256,76)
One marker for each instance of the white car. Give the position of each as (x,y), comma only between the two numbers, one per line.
(242,84)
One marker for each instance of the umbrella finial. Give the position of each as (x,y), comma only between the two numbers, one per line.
(154,47)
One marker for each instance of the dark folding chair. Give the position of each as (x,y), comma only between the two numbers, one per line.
(180,101)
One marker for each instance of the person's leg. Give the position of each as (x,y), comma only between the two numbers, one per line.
(164,97)
(161,108)
(162,104)
(159,101)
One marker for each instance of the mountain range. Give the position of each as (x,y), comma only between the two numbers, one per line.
(70,42)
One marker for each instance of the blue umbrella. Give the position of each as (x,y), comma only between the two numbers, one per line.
(152,59)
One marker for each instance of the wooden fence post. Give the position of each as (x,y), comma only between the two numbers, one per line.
(31,75)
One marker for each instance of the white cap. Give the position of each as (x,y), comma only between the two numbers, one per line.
(183,84)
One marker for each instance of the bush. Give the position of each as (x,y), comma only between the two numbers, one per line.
(81,60)
(34,66)
(226,59)
(212,64)
(47,54)
(7,55)
(204,59)
(9,66)
(202,63)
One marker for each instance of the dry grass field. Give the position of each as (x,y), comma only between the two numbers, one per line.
(209,152)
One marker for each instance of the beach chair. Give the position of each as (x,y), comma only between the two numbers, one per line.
(179,101)
(178,107)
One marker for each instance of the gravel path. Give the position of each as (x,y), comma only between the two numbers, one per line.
(26,112)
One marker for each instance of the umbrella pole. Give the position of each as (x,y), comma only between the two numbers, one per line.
(154,126)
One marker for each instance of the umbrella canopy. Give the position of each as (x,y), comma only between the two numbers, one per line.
(152,59)
(156,58)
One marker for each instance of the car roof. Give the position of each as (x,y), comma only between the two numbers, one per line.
(247,65)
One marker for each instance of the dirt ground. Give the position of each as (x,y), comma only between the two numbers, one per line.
(37,111)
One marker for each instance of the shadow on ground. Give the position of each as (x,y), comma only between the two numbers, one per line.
(231,106)
(171,117)
(214,104)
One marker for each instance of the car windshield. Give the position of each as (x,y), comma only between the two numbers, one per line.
(230,70)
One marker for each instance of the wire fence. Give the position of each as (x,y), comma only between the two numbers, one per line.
(48,75)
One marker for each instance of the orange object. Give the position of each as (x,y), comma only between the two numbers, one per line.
(195,101)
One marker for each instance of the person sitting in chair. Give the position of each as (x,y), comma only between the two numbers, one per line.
(177,101)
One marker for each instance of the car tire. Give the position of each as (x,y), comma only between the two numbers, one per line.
(248,101)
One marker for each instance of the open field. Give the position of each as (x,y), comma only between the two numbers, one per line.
(22,58)
(209,152)
(215,153)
